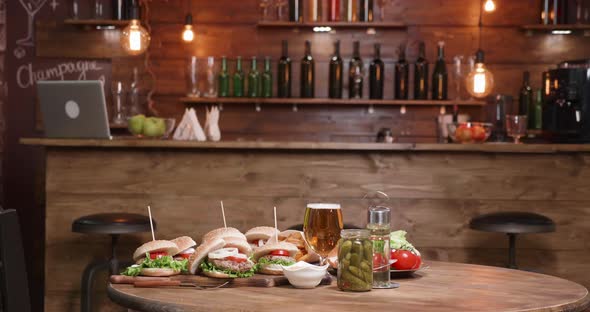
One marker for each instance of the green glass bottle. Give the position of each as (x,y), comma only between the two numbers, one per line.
(223,79)
(254,80)
(239,79)
(537,112)
(267,79)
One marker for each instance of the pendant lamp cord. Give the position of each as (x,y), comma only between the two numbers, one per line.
(147,61)
(480,24)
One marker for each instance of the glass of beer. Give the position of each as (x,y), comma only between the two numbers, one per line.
(322,225)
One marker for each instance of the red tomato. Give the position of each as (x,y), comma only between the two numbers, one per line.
(236,259)
(377,260)
(279,253)
(406,260)
(185,256)
(157,254)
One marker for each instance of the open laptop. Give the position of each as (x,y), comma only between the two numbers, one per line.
(74,109)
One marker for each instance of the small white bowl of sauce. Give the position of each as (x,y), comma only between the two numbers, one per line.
(305,275)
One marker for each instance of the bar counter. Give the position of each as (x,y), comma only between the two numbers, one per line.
(435,190)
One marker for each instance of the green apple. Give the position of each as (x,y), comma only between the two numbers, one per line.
(154,127)
(136,124)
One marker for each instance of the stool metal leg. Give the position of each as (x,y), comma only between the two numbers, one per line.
(87,280)
(114,262)
(512,251)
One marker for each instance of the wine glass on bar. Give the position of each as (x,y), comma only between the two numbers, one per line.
(516,126)
(322,226)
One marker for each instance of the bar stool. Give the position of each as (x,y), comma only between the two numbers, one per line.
(113,224)
(512,224)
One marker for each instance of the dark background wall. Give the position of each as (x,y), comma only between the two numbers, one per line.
(228,27)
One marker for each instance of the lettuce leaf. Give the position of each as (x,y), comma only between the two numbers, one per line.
(166,262)
(398,241)
(208,267)
(278,261)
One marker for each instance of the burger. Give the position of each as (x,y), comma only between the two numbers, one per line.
(272,256)
(155,259)
(215,259)
(224,233)
(185,245)
(259,236)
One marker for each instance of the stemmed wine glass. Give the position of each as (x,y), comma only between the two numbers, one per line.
(382,5)
(322,226)
(265,6)
(516,126)
(281,6)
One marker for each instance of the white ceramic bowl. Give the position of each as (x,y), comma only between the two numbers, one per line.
(305,275)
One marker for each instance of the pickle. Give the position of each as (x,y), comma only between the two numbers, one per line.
(360,252)
(355,260)
(368,277)
(355,282)
(344,264)
(356,271)
(365,267)
(368,247)
(347,257)
(345,248)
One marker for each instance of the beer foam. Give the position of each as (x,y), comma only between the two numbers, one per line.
(323,206)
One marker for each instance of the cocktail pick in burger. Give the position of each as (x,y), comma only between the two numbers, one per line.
(216,260)
(272,256)
(154,258)
(185,246)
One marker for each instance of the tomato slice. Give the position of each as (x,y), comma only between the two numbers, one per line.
(157,254)
(236,259)
(185,256)
(279,252)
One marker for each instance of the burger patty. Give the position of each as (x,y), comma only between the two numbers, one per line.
(231,265)
(283,258)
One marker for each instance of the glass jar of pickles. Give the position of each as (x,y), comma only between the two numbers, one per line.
(355,261)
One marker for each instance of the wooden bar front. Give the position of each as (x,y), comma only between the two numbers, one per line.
(435,190)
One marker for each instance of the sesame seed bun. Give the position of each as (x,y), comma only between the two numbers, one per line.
(156,246)
(266,249)
(184,243)
(223,233)
(261,232)
(201,253)
(159,272)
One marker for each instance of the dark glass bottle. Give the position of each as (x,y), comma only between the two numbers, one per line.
(307,73)
(334,11)
(267,79)
(296,11)
(254,80)
(440,77)
(119,10)
(421,75)
(238,79)
(376,72)
(284,76)
(355,73)
(336,68)
(525,97)
(366,11)
(402,73)
(223,79)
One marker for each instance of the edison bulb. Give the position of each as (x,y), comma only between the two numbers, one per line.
(489,6)
(135,39)
(188,35)
(480,81)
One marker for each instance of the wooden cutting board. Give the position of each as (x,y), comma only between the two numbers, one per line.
(258,280)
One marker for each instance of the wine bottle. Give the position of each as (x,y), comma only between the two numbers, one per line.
(401,75)
(284,76)
(355,73)
(307,73)
(223,79)
(525,97)
(351,10)
(366,11)
(334,11)
(296,11)
(254,80)
(440,77)
(238,79)
(421,75)
(376,72)
(119,10)
(336,68)
(267,79)
(315,10)
(537,112)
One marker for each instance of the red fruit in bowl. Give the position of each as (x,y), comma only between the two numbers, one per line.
(463,134)
(478,133)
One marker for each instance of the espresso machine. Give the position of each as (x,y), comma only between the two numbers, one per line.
(566,104)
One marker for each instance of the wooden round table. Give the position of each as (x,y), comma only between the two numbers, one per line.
(442,287)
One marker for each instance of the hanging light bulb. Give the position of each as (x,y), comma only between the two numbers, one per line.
(188,34)
(490,6)
(480,80)
(135,39)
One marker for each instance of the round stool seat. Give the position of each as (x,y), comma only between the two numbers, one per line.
(513,223)
(112,223)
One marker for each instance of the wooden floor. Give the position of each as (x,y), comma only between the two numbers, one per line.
(434,195)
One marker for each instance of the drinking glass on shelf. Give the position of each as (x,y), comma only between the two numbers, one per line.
(382,6)
(322,226)
(281,6)
(119,107)
(458,76)
(100,9)
(516,126)
(192,78)
(265,8)
(211,91)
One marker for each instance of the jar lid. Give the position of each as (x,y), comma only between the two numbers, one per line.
(379,215)
(356,233)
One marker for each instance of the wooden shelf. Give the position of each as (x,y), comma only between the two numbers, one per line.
(324,101)
(347,25)
(542,28)
(96,22)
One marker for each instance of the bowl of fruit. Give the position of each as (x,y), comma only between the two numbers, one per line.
(151,127)
(469,132)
